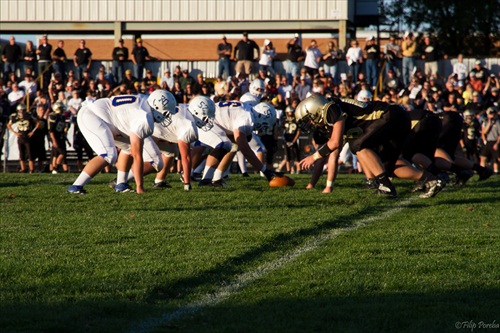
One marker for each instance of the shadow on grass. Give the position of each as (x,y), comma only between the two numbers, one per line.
(367,312)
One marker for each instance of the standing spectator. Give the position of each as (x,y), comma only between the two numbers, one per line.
(224,50)
(82,59)
(331,58)
(430,54)
(167,81)
(372,56)
(26,126)
(391,52)
(11,56)
(244,54)
(140,55)
(29,58)
(408,49)
(59,57)
(267,57)
(460,71)
(313,57)
(491,138)
(44,53)
(120,56)
(39,137)
(354,58)
(480,72)
(294,56)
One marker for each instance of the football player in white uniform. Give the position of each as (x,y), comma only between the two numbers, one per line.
(253,97)
(124,121)
(238,120)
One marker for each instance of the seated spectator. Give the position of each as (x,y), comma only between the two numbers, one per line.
(220,87)
(15,96)
(167,81)
(150,80)
(196,86)
(29,86)
(129,80)
(476,83)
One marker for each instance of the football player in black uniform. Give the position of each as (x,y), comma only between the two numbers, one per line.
(26,126)
(471,136)
(58,127)
(39,151)
(375,131)
(291,134)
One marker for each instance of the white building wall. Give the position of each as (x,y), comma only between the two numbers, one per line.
(172,10)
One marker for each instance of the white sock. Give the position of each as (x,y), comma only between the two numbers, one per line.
(242,162)
(208,173)
(217,175)
(82,179)
(121,177)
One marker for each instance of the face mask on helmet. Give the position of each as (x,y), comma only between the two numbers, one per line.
(257,88)
(264,117)
(309,112)
(203,110)
(290,113)
(163,106)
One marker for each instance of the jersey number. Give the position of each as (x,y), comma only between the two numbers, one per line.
(121,100)
(224,104)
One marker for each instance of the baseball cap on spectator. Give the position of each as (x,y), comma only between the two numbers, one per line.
(136,84)
(490,110)
(138,40)
(128,71)
(407,33)
(149,71)
(224,37)
(267,42)
(199,75)
(185,71)
(478,62)
(296,35)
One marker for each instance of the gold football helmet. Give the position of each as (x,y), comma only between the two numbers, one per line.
(311,112)
(59,107)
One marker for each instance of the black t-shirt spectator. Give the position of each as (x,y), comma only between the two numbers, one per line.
(59,52)
(140,53)
(295,52)
(82,56)
(45,52)
(431,53)
(372,52)
(245,50)
(120,52)
(13,53)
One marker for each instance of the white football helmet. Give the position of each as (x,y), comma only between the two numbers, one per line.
(203,110)
(250,99)
(264,117)
(257,88)
(163,106)
(364,96)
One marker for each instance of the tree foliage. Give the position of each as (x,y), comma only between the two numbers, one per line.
(471,27)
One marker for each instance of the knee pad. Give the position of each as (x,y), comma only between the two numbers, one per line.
(111,156)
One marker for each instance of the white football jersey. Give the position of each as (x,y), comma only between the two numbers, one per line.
(234,115)
(125,114)
(182,128)
(250,99)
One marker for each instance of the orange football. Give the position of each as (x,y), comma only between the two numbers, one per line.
(281,181)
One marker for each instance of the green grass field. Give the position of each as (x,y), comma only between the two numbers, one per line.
(247,258)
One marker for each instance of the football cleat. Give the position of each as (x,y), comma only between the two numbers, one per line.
(123,188)
(162,184)
(463,176)
(245,174)
(205,182)
(432,187)
(485,174)
(75,189)
(112,183)
(388,191)
(196,176)
(370,183)
(219,183)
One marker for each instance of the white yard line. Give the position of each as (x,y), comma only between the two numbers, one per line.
(226,291)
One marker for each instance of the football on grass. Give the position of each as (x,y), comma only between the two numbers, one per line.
(281,181)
